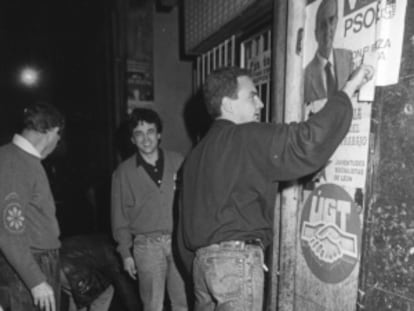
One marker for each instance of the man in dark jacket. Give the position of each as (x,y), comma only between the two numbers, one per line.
(230,178)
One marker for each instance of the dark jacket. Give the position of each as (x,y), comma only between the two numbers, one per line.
(230,178)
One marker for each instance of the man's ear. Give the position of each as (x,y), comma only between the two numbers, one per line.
(50,133)
(227,105)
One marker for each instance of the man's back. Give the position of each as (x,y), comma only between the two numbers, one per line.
(226,185)
(228,192)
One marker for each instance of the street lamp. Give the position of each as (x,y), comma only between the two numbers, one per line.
(29,77)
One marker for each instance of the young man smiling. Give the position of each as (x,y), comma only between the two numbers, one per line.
(143,189)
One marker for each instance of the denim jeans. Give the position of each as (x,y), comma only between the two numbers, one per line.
(16,295)
(229,277)
(156,269)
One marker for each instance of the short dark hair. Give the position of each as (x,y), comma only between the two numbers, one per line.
(144,115)
(42,117)
(221,83)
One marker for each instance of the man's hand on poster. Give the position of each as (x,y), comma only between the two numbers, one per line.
(358,78)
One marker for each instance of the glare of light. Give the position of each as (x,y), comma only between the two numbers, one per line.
(29,76)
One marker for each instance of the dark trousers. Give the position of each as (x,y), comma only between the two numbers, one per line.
(14,295)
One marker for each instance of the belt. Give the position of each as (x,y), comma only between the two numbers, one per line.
(158,236)
(242,243)
(235,244)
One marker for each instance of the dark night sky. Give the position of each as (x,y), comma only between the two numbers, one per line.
(68,41)
(63,39)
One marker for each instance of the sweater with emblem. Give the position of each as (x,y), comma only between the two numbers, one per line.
(27,212)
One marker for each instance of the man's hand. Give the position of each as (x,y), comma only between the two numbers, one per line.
(359,77)
(129,266)
(43,297)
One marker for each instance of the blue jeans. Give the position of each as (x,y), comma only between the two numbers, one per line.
(156,269)
(15,294)
(229,276)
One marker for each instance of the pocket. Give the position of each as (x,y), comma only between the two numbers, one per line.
(140,239)
(225,277)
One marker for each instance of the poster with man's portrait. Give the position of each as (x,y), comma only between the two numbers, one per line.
(339,36)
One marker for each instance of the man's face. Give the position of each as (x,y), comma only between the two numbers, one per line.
(325,27)
(247,105)
(52,138)
(146,137)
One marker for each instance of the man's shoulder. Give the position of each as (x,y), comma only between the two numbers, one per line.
(252,128)
(127,164)
(172,154)
(342,54)
(312,65)
(17,161)
(236,135)
(9,151)
(175,157)
(342,51)
(6,147)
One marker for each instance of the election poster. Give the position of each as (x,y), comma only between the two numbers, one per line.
(347,166)
(363,26)
(339,36)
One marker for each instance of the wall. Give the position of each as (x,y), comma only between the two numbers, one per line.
(387,274)
(172,80)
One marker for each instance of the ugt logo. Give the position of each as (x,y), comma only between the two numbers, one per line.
(330,233)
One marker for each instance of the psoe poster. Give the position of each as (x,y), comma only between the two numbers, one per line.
(339,36)
(362,27)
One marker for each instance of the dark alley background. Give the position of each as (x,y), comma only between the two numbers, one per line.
(69,43)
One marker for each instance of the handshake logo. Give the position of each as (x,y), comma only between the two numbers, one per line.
(330,233)
(328,243)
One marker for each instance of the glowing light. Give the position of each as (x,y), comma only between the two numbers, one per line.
(29,76)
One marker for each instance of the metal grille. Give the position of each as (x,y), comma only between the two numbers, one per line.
(256,56)
(220,56)
(204,17)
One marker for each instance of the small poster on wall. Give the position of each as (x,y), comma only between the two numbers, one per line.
(139,73)
(140,86)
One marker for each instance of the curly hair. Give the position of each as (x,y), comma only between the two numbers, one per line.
(42,117)
(144,115)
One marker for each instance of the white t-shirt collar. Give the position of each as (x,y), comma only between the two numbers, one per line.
(25,145)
